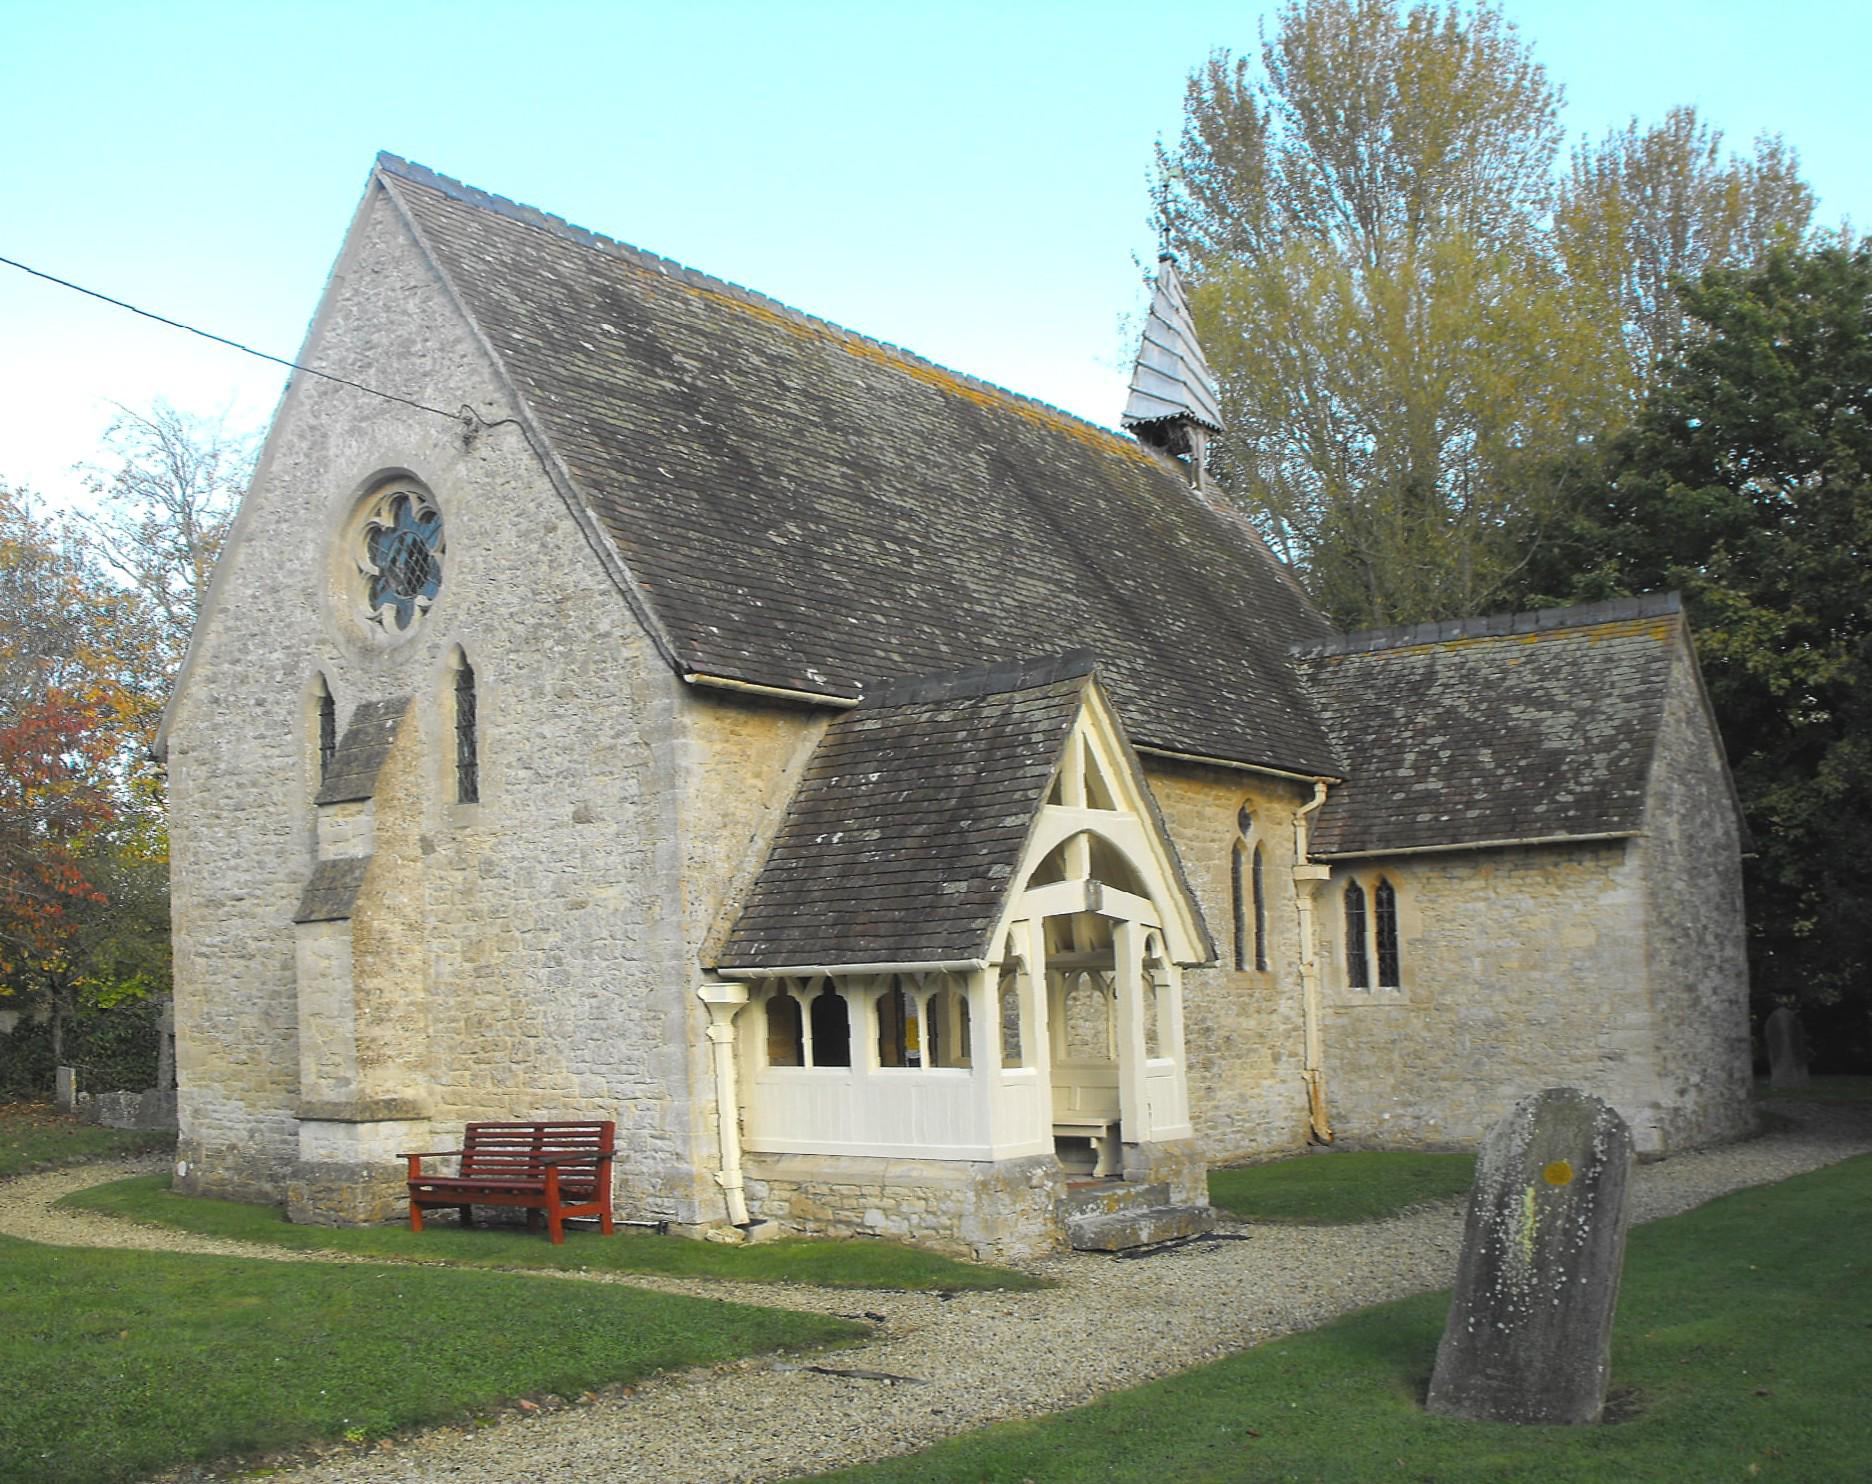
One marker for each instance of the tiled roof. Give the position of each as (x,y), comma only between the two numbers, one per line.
(332,891)
(806,508)
(1525,726)
(902,839)
(352,772)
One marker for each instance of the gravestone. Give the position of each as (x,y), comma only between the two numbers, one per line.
(1787,1048)
(1530,1323)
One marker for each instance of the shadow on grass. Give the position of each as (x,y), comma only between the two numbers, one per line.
(116,1364)
(1739,1352)
(857,1263)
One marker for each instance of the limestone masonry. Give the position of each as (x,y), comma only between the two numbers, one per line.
(903,808)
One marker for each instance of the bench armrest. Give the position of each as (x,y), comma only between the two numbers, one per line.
(429,1153)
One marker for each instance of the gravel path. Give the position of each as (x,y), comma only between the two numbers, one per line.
(976,1358)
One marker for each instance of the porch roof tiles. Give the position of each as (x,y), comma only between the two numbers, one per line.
(903,836)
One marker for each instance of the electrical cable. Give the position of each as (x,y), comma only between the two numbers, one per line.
(249,350)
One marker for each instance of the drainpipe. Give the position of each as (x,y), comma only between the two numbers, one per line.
(724,1002)
(1308,878)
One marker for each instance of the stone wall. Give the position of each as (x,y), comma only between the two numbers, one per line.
(1243,1028)
(524,944)
(741,757)
(1522,969)
(1698,967)
(1002,1211)
(1617,967)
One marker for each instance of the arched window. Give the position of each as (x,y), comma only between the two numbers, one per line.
(784,1048)
(1008,1001)
(1238,900)
(1358,963)
(1260,912)
(327,728)
(1384,912)
(467,738)
(1248,890)
(948,1014)
(1239,861)
(831,1029)
(899,1044)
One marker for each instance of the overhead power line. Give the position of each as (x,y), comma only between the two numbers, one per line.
(176,324)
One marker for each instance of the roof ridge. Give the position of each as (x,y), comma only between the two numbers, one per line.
(558,226)
(1001,678)
(1495,625)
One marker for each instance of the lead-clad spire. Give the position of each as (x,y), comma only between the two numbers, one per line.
(1173,392)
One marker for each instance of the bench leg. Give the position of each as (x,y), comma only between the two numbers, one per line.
(604,1222)
(555,1225)
(535,1218)
(415,1217)
(467,1215)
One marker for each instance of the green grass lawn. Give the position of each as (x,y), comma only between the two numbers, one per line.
(859,1263)
(1742,1350)
(36,1136)
(1822,1089)
(115,1364)
(1331,1189)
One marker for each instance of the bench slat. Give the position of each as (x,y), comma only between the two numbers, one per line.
(560,1168)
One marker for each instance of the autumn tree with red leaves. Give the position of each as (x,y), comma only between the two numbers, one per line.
(77,694)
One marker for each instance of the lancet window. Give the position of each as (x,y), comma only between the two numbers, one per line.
(467,735)
(327,728)
(1248,889)
(1374,955)
(1358,960)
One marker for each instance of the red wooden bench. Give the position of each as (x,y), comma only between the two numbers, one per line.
(553,1169)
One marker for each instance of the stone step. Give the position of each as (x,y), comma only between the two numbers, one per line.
(1119,1231)
(1102,1197)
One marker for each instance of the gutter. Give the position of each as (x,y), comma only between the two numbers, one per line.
(724,1002)
(1308,878)
(950,966)
(779,692)
(1240,767)
(1510,844)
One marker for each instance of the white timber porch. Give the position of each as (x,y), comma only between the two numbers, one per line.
(1066,1038)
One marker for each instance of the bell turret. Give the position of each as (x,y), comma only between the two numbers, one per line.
(1173,404)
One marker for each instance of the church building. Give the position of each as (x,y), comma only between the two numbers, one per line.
(903,808)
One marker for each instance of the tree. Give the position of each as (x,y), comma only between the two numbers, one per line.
(1411,318)
(1644,211)
(166,507)
(74,656)
(1363,219)
(1746,482)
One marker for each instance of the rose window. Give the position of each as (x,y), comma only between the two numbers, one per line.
(401,558)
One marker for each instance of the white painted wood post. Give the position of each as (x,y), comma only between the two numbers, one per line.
(1036,1033)
(1128,958)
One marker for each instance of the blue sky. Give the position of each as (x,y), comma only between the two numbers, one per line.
(968,180)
